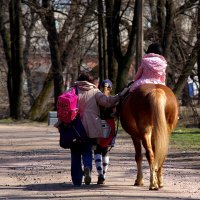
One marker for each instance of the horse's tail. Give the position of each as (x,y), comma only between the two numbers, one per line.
(160,136)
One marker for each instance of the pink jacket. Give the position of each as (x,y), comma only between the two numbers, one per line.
(151,70)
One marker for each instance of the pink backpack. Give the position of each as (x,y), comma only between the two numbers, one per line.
(67,106)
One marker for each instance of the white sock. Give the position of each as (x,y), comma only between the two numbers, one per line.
(105,164)
(98,163)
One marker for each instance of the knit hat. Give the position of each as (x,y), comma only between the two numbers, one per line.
(106,83)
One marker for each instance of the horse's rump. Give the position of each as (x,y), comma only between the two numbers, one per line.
(136,110)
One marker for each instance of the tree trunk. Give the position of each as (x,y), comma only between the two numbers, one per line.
(167,39)
(187,69)
(152,4)
(40,104)
(112,63)
(100,40)
(55,72)
(198,56)
(161,18)
(28,27)
(53,38)
(17,59)
(124,61)
(139,35)
(7,49)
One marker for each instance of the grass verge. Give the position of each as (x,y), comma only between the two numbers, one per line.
(186,139)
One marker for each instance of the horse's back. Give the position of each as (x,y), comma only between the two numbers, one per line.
(137,112)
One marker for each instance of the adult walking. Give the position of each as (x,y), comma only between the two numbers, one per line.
(89,100)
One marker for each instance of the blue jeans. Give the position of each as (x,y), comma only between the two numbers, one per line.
(80,153)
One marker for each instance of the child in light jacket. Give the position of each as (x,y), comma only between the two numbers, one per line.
(101,152)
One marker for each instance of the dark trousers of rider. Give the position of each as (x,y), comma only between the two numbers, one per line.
(81,157)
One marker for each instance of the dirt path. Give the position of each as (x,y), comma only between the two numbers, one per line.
(33,166)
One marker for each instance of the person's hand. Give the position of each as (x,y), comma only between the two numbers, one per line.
(129,84)
(57,124)
(124,91)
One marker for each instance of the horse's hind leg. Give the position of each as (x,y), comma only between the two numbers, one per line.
(138,158)
(160,177)
(150,157)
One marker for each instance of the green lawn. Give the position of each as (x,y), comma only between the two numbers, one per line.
(186,139)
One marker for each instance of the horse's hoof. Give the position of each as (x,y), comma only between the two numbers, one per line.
(139,183)
(153,187)
(160,184)
(136,184)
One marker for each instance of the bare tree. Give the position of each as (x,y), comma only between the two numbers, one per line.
(62,49)
(179,46)
(29,21)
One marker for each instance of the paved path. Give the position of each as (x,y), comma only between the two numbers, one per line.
(33,166)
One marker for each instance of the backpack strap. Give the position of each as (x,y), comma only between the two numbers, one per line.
(76,92)
(76,89)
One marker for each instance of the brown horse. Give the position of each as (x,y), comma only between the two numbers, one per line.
(149,115)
